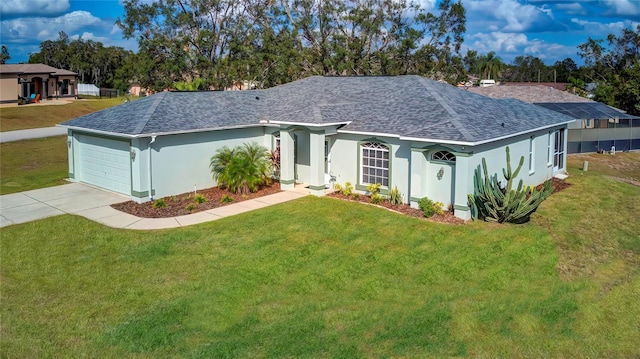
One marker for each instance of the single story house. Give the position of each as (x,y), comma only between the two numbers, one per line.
(598,127)
(22,80)
(423,137)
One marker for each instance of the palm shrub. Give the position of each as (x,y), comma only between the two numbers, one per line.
(242,169)
(494,203)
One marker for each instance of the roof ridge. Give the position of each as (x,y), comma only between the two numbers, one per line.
(147,115)
(454,115)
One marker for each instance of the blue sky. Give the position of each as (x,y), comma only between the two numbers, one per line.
(550,30)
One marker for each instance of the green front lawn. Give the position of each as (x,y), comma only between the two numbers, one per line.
(319,277)
(32,164)
(37,116)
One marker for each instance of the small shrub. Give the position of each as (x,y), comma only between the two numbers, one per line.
(376,198)
(374,193)
(374,188)
(159,203)
(337,187)
(347,190)
(395,197)
(427,207)
(438,207)
(200,198)
(191,206)
(226,199)
(356,196)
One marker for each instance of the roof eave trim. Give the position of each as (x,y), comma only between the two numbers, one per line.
(89,130)
(364,133)
(307,124)
(168,133)
(453,142)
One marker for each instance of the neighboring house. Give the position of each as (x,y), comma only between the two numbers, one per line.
(422,136)
(598,127)
(22,80)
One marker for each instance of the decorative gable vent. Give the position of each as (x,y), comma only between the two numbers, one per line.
(445,156)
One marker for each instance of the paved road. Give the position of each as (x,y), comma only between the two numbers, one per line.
(10,136)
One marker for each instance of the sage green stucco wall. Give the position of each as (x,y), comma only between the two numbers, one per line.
(181,162)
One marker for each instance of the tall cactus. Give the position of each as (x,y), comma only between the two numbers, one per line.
(495,203)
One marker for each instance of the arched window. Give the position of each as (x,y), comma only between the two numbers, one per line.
(374,160)
(445,156)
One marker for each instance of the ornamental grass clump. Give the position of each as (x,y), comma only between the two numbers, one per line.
(493,203)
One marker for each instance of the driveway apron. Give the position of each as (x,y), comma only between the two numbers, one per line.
(74,198)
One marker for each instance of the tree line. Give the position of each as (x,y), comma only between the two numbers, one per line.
(273,42)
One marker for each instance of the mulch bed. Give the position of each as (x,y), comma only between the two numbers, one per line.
(177,205)
(405,209)
(558,185)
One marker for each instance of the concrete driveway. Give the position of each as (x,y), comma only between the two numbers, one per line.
(72,198)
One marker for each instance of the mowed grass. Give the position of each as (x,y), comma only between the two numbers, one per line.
(320,278)
(32,164)
(26,116)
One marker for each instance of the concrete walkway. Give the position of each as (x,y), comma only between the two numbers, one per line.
(95,204)
(10,136)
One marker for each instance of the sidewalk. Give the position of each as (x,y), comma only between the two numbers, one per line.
(10,136)
(95,204)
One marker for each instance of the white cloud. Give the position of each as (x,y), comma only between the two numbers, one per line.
(427,5)
(497,41)
(43,28)
(603,29)
(115,30)
(511,14)
(624,7)
(33,7)
(509,45)
(572,8)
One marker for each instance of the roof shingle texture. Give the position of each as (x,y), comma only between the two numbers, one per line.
(33,69)
(406,106)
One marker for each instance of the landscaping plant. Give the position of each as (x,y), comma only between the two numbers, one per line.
(374,193)
(494,203)
(427,207)
(159,203)
(242,169)
(395,197)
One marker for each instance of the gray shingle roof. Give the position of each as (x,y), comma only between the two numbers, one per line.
(406,106)
(33,69)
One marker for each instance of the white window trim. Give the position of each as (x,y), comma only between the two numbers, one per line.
(378,147)
(549,150)
(532,155)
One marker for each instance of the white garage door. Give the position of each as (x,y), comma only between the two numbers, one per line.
(105,163)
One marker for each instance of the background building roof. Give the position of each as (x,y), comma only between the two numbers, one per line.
(531,94)
(33,69)
(587,110)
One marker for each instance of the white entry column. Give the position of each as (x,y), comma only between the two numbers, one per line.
(316,154)
(287,160)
